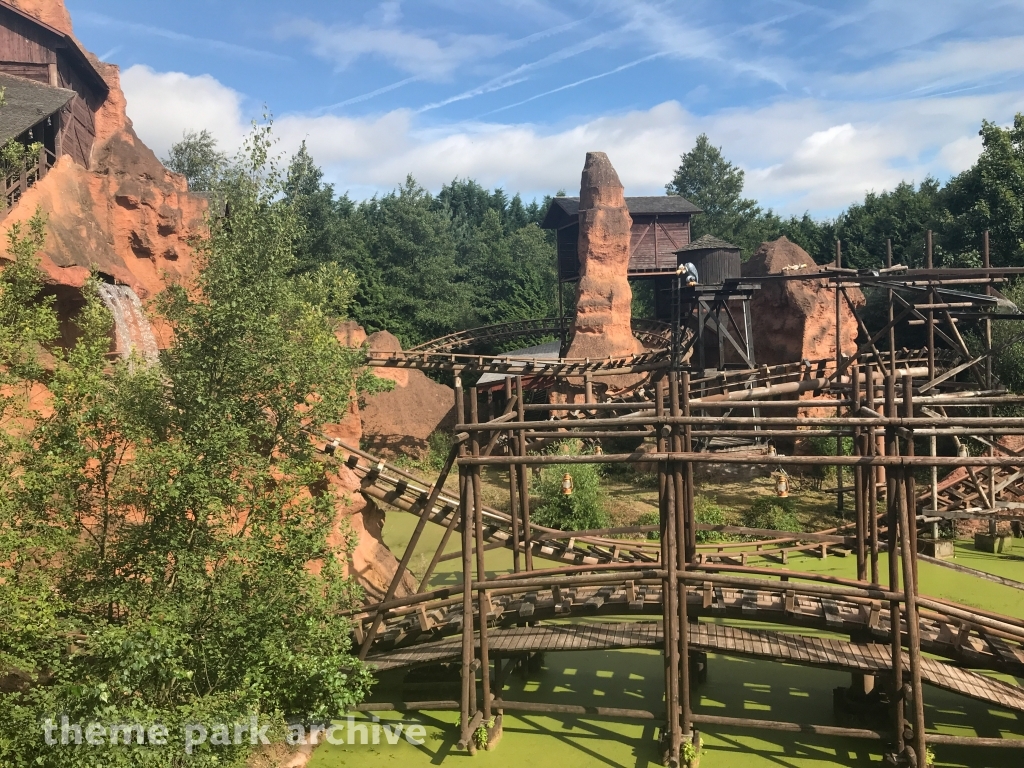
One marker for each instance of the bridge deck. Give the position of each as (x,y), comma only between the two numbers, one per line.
(828,653)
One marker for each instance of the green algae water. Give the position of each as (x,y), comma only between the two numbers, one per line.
(735,687)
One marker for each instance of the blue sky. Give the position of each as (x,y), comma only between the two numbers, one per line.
(817,101)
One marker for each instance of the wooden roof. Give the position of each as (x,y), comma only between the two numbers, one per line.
(27,103)
(565,210)
(708,243)
(68,43)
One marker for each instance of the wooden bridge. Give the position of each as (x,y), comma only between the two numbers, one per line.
(603,587)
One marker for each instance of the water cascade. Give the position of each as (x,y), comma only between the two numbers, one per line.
(132,328)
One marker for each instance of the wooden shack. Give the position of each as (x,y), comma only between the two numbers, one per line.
(34,53)
(661,226)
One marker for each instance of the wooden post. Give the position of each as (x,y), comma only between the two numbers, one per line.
(684,511)
(892,481)
(858,479)
(840,501)
(666,509)
(989,380)
(909,557)
(876,476)
(892,330)
(468,699)
(911,530)
(513,484)
(931,312)
(524,477)
(483,602)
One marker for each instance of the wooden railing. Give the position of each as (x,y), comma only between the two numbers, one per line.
(14,185)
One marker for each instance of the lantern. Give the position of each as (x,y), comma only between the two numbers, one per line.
(781,484)
(771,449)
(962,451)
(567,484)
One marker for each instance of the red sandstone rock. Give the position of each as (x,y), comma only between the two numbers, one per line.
(370,561)
(126,216)
(795,320)
(400,422)
(604,299)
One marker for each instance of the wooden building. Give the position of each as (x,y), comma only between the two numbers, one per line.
(661,226)
(716,260)
(36,53)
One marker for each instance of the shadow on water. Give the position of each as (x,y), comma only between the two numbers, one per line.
(634,679)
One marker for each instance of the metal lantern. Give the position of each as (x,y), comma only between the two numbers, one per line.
(567,484)
(962,451)
(781,484)
(771,449)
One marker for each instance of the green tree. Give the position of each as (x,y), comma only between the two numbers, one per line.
(707,179)
(197,158)
(989,196)
(164,552)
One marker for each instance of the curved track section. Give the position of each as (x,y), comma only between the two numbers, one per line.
(653,333)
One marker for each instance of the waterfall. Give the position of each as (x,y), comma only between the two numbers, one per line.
(132,329)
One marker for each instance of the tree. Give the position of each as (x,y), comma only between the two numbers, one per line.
(714,184)
(989,196)
(164,552)
(197,158)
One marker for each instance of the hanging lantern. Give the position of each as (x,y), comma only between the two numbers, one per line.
(781,484)
(962,451)
(771,449)
(598,450)
(567,484)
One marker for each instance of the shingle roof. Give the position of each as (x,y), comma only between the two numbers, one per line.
(27,103)
(570,206)
(708,242)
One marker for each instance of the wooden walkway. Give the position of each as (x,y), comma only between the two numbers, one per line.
(777,603)
(827,653)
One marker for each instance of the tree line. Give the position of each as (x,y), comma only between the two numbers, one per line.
(987,196)
(426,265)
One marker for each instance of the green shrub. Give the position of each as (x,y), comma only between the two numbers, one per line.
(650,518)
(821,445)
(706,511)
(438,446)
(773,513)
(582,510)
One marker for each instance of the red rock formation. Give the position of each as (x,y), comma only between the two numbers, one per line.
(50,12)
(796,320)
(126,216)
(604,299)
(400,422)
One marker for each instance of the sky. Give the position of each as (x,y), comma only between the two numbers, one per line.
(818,102)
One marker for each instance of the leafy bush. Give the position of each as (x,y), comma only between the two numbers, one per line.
(773,513)
(157,525)
(705,510)
(439,444)
(821,445)
(582,510)
(650,518)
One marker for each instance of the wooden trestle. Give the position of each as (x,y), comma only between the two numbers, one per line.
(883,399)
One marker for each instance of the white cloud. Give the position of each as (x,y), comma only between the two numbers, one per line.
(799,154)
(944,67)
(414,53)
(163,105)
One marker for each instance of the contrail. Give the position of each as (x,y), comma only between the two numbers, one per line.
(365,96)
(579,82)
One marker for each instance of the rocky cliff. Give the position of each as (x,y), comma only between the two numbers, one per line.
(795,320)
(601,327)
(126,217)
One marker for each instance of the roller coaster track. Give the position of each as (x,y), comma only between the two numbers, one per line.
(654,334)
(827,653)
(430,618)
